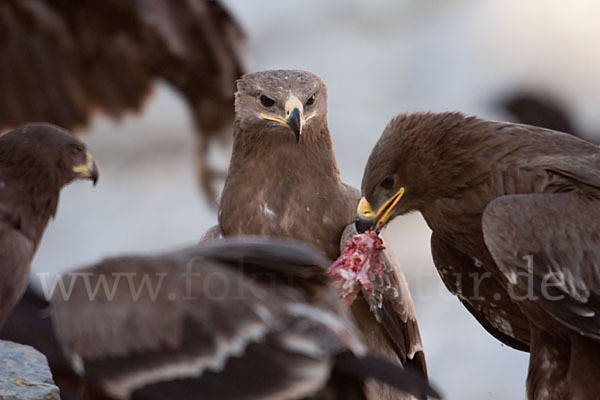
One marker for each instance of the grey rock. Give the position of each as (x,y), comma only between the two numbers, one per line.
(24,374)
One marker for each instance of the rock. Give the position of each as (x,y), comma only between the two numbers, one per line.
(24,374)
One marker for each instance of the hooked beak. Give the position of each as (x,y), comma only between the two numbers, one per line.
(87,170)
(294,116)
(366,218)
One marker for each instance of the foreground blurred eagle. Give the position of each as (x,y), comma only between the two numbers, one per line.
(239,319)
(62,61)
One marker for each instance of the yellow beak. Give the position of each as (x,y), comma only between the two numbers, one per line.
(366,218)
(294,117)
(87,170)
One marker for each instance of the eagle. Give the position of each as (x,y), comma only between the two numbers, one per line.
(238,318)
(515,212)
(283,181)
(65,61)
(36,161)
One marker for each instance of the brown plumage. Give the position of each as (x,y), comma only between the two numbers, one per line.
(63,61)
(283,180)
(242,318)
(279,185)
(514,211)
(36,161)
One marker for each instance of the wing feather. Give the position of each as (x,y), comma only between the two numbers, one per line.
(203,315)
(548,245)
(499,316)
(63,62)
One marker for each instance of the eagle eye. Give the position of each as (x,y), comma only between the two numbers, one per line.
(388,183)
(75,149)
(266,101)
(311,100)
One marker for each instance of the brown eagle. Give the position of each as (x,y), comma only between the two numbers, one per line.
(283,181)
(36,161)
(515,212)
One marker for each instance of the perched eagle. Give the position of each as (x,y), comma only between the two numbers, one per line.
(283,180)
(515,212)
(242,318)
(63,60)
(36,161)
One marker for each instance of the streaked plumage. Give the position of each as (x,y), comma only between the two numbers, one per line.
(242,318)
(516,207)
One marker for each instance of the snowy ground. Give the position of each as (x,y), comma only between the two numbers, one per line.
(378,58)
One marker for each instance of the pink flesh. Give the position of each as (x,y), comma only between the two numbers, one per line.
(357,265)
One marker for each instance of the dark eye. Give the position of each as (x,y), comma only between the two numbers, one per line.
(75,150)
(388,183)
(266,101)
(311,100)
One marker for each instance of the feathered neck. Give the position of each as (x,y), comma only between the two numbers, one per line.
(32,203)
(258,152)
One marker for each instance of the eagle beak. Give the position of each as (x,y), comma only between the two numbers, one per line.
(87,170)
(366,218)
(294,117)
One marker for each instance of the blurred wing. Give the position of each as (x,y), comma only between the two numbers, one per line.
(550,244)
(63,61)
(539,110)
(121,342)
(501,318)
(281,258)
(202,54)
(206,318)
